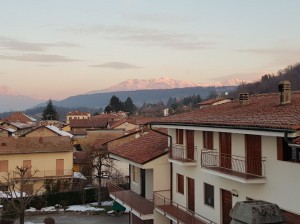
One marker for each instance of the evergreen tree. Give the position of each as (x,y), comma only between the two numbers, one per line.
(50,112)
(129,106)
(114,105)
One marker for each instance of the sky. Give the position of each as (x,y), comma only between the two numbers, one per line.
(59,48)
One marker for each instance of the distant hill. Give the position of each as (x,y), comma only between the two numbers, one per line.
(269,82)
(16,103)
(100,100)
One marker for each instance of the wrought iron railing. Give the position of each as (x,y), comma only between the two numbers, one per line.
(179,213)
(131,199)
(183,153)
(249,168)
(35,174)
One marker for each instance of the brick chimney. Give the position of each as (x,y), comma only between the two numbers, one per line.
(244,98)
(284,89)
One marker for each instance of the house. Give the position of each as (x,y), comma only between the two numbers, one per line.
(147,157)
(48,158)
(47,131)
(124,124)
(6,132)
(77,115)
(19,128)
(19,117)
(213,102)
(242,150)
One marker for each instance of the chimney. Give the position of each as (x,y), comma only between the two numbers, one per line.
(244,98)
(284,89)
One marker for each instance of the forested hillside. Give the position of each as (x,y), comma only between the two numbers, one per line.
(269,82)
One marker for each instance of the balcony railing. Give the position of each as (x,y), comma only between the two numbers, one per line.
(137,204)
(45,174)
(176,212)
(183,153)
(242,167)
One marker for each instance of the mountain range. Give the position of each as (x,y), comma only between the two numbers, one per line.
(162,83)
(140,90)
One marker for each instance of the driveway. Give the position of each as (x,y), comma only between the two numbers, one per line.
(79,219)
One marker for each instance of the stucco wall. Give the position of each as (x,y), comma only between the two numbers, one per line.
(281,187)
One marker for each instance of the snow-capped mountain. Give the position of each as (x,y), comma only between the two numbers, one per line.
(160,83)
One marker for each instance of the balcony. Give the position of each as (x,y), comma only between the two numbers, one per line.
(236,168)
(138,205)
(183,155)
(45,174)
(176,212)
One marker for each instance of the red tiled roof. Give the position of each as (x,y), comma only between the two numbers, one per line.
(19,117)
(143,149)
(23,145)
(80,157)
(296,141)
(211,101)
(79,113)
(104,139)
(262,112)
(108,116)
(89,123)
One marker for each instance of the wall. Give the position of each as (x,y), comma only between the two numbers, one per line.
(281,187)
(41,132)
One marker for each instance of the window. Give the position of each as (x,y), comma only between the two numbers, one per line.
(179,136)
(208,140)
(180,183)
(209,198)
(135,174)
(287,153)
(4,166)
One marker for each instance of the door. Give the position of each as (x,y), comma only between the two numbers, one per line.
(190,144)
(191,194)
(226,206)
(59,167)
(253,154)
(225,150)
(27,166)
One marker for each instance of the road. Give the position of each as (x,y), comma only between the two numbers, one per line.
(78,219)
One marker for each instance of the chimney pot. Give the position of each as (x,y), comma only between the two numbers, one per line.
(244,98)
(284,88)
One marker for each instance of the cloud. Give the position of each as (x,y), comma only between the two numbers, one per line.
(116,65)
(37,58)
(13,44)
(146,36)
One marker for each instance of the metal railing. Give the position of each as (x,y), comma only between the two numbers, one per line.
(248,168)
(177,212)
(32,174)
(131,199)
(183,153)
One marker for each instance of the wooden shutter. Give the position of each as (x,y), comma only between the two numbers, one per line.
(179,136)
(4,166)
(208,140)
(59,167)
(279,148)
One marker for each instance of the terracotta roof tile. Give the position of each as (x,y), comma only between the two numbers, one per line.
(263,112)
(77,113)
(143,149)
(19,117)
(89,123)
(210,101)
(23,145)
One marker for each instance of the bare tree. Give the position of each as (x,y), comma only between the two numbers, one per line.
(103,167)
(18,183)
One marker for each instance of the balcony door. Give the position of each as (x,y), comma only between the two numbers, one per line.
(226,206)
(253,154)
(59,167)
(27,166)
(191,194)
(225,150)
(190,146)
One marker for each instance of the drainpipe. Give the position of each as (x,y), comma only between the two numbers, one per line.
(171,164)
